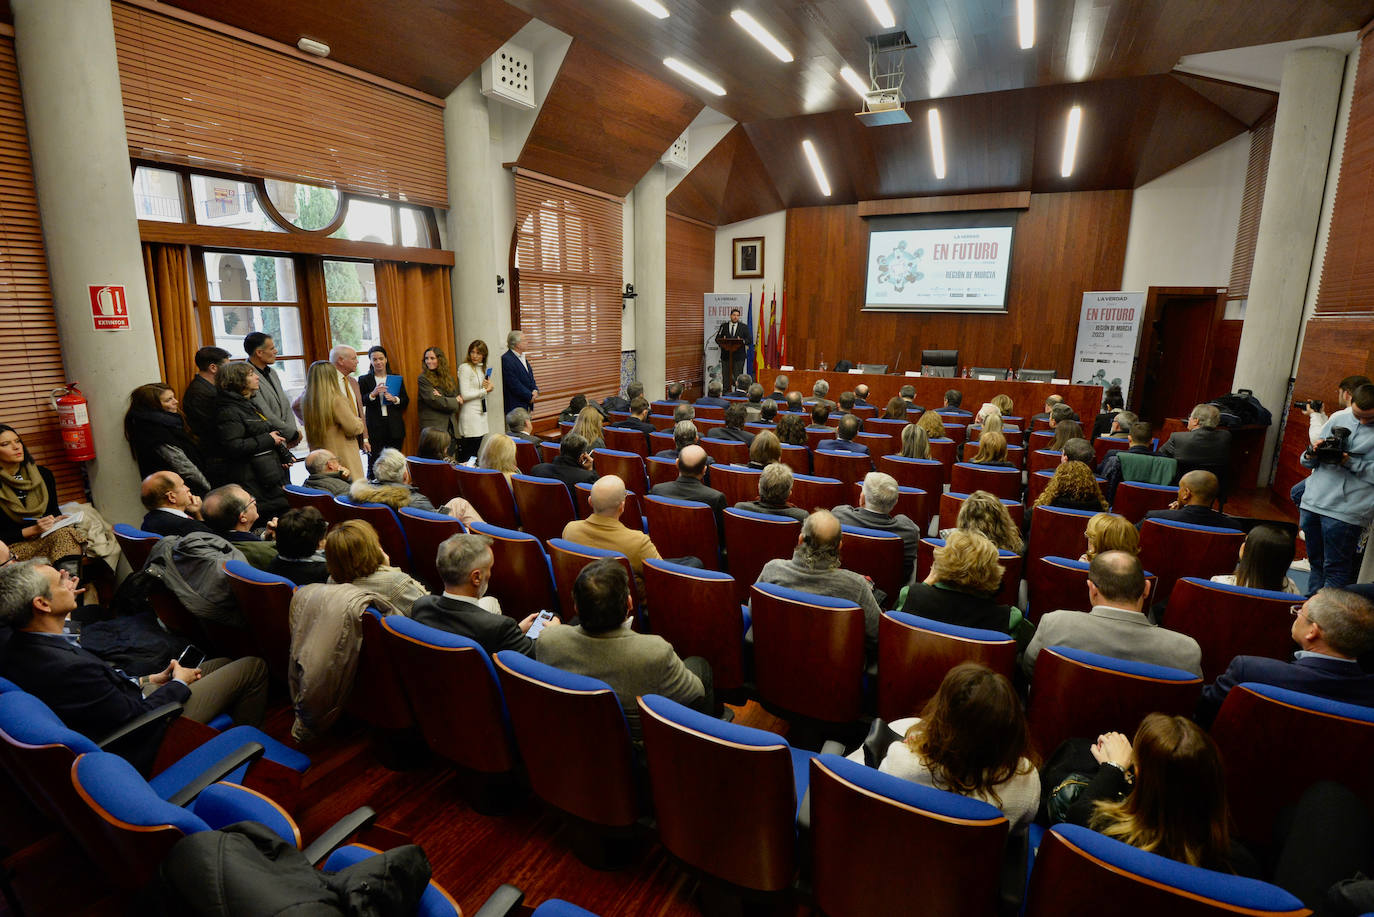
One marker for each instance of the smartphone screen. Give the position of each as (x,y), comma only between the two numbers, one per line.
(489,372)
(538,626)
(192,657)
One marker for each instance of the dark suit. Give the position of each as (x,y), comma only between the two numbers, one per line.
(1200,447)
(710,401)
(86,693)
(566,470)
(758,506)
(732,365)
(1196,515)
(525,437)
(1324,676)
(634,423)
(900,525)
(468,619)
(685,488)
(614,403)
(160,522)
(843,445)
(732,434)
(198,404)
(517,382)
(300,572)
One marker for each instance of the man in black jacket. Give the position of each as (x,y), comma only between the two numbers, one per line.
(198,401)
(172,508)
(1197,491)
(691,469)
(464,563)
(573,465)
(638,419)
(1203,443)
(616,403)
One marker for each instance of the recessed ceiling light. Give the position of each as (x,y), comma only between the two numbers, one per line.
(696,76)
(853,79)
(652,6)
(883,12)
(810,150)
(1025,23)
(762,35)
(1071,142)
(937,142)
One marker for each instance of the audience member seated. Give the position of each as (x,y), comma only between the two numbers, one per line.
(1078,450)
(753,408)
(847,400)
(603,528)
(520,426)
(573,465)
(300,547)
(1073,487)
(815,567)
(991,422)
(742,383)
(819,391)
(575,405)
(971,739)
(876,500)
(775,486)
(861,396)
(734,425)
(844,437)
(1203,443)
(780,384)
(896,409)
(638,419)
(1062,412)
(603,646)
(908,395)
(691,470)
(28,498)
(768,411)
(764,450)
(931,423)
(588,426)
(1110,532)
(159,439)
(1121,423)
(1050,402)
(1112,402)
(172,510)
(684,435)
(953,399)
(1064,431)
(820,417)
(1117,625)
(232,512)
(325,472)
(1197,491)
(1265,557)
(1110,469)
(983,513)
(1004,404)
(992,451)
(673,391)
(91,696)
(791,430)
(1332,629)
(355,557)
(961,588)
(249,444)
(794,403)
(683,412)
(712,398)
(616,403)
(915,443)
(497,453)
(393,487)
(464,563)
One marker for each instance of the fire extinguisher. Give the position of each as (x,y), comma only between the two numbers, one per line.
(75,422)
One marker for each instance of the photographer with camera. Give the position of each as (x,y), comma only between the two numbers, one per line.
(1339,501)
(1317,419)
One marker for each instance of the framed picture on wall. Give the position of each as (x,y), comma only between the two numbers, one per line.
(748,258)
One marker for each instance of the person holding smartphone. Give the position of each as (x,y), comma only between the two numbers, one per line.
(474,381)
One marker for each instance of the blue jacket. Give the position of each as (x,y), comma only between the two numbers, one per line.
(1324,676)
(843,445)
(517,382)
(1344,492)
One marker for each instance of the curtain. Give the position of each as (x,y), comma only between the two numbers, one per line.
(174,321)
(415,308)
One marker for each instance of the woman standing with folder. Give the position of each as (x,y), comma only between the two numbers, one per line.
(384,405)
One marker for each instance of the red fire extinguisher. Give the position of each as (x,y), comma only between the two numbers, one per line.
(75,422)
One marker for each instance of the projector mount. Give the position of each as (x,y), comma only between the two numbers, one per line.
(884,102)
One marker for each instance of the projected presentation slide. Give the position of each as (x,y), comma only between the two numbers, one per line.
(944,269)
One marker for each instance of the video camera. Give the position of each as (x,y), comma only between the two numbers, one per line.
(1313,404)
(1331,451)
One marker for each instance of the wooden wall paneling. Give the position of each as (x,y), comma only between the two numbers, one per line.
(604,124)
(949,203)
(750,191)
(1065,245)
(1347,281)
(1186,124)
(691,275)
(701,191)
(1225,347)
(1246,104)
(841,144)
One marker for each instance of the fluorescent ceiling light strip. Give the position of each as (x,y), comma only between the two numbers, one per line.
(696,76)
(937,142)
(853,79)
(1071,142)
(809,149)
(652,6)
(1025,23)
(761,35)
(884,13)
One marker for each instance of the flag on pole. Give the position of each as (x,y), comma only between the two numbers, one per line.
(761,335)
(782,331)
(748,362)
(771,348)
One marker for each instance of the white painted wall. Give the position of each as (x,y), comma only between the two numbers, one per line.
(1183,224)
(773,228)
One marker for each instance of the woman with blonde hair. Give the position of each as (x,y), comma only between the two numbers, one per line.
(931,423)
(438,393)
(354,555)
(498,454)
(1073,487)
(991,423)
(992,451)
(962,586)
(915,443)
(896,409)
(764,450)
(985,514)
(473,385)
(987,411)
(1110,532)
(589,426)
(331,418)
(1004,404)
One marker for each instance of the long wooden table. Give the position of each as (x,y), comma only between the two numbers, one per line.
(1028,397)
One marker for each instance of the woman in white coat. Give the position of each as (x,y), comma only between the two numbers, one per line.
(473,386)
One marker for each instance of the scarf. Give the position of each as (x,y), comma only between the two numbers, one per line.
(24,494)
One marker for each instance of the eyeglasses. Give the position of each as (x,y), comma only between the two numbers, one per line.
(1295,610)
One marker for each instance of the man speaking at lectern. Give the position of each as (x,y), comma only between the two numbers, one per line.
(732,362)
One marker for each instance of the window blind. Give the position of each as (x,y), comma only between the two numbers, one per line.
(1247,235)
(28,326)
(569,253)
(1347,283)
(691,275)
(193,95)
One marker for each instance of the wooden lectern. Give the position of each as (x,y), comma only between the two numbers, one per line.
(731,361)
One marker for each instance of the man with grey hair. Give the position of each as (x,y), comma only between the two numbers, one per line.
(742,383)
(603,528)
(754,406)
(684,412)
(1332,629)
(325,472)
(519,426)
(876,501)
(684,435)
(818,393)
(518,388)
(712,397)
(780,388)
(1121,423)
(794,402)
(861,395)
(464,563)
(270,398)
(690,483)
(1204,443)
(775,486)
(815,567)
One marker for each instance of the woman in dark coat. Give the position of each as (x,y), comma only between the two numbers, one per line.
(383,410)
(157,434)
(248,443)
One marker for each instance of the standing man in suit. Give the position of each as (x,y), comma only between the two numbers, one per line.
(731,364)
(1117,625)
(172,508)
(270,397)
(1332,630)
(518,388)
(464,563)
(1202,443)
(690,483)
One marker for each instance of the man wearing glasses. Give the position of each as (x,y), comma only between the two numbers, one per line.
(1332,628)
